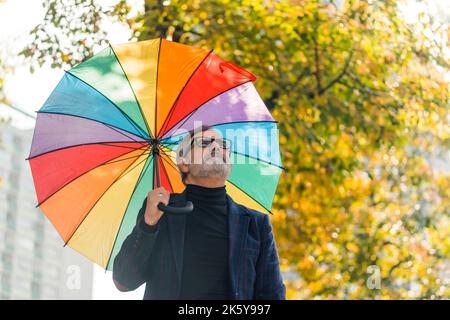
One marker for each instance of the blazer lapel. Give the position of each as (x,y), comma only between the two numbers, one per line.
(237,235)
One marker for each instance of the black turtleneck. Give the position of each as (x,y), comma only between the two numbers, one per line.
(205,259)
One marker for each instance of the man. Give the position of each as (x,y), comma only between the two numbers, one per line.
(221,250)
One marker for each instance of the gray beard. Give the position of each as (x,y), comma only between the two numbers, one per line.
(214,170)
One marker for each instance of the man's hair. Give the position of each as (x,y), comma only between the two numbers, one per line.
(186,144)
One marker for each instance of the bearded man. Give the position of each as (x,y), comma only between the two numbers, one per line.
(221,250)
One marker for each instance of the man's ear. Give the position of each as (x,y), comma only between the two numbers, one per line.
(183,165)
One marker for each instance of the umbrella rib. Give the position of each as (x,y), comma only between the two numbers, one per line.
(167,154)
(126,209)
(112,145)
(132,90)
(171,164)
(195,110)
(167,176)
(157,80)
(105,124)
(143,154)
(83,144)
(135,125)
(250,197)
(162,145)
(141,142)
(106,162)
(265,161)
(117,179)
(216,125)
(169,143)
(168,161)
(169,115)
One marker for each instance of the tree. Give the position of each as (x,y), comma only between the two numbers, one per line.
(362,101)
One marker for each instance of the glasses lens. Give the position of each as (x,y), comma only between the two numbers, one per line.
(205,142)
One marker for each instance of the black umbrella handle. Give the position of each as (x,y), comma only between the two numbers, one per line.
(188,207)
(176,210)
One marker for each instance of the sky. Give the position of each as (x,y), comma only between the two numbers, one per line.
(26,90)
(29,91)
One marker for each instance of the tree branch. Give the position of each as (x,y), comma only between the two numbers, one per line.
(343,72)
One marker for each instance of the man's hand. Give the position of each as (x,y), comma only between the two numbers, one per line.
(152,213)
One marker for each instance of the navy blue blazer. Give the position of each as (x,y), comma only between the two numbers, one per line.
(155,257)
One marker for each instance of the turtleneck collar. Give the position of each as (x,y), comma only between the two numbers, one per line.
(199,194)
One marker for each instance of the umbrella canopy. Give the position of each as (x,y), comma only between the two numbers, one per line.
(91,155)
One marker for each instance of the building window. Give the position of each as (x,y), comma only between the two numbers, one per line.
(7,259)
(6,281)
(10,220)
(17,142)
(38,228)
(37,275)
(35,290)
(14,178)
(38,249)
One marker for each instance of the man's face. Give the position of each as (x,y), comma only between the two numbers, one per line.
(211,161)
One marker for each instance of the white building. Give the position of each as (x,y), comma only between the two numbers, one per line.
(33,262)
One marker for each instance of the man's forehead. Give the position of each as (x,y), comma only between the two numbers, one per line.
(210,133)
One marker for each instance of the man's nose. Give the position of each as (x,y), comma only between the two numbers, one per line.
(215,145)
(214,150)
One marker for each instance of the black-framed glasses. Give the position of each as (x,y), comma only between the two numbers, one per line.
(205,142)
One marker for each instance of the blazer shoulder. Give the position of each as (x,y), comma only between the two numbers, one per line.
(260,216)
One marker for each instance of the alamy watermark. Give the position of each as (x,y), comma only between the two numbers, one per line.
(73,280)
(373,281)
(250,145)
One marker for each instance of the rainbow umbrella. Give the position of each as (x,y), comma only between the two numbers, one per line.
(106,136)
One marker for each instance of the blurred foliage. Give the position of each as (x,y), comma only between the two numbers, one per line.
(3,70)
(68,33)
(362,102)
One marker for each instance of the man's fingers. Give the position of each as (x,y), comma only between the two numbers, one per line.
(165,200)
(159,195)
(159,190)
(162,196)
